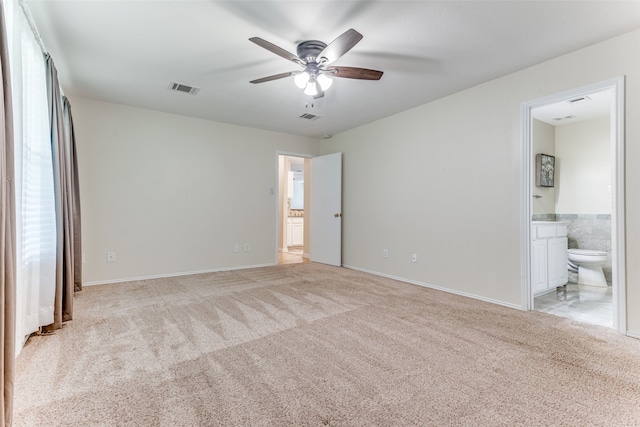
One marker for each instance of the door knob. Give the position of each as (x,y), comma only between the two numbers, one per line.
(337,215)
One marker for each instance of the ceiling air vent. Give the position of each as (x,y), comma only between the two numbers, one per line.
(571,116)
(179,87)
(579,99)
(308,116)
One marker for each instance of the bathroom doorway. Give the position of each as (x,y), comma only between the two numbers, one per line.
(582,131)
(293,218)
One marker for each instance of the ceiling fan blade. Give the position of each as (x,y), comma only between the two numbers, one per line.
(277,50)
(274,77)
(355,73)
(339,46)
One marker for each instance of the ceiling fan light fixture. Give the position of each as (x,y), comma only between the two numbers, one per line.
(324,82)
(301,79)
(311,89)
(314,56)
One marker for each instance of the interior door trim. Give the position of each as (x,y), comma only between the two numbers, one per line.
(618,234)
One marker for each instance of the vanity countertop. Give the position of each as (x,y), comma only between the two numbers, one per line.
(547,222)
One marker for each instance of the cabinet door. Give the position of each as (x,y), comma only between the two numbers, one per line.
(539,265)
(558,274)
(297,231)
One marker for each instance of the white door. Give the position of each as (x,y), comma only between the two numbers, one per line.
(326,209)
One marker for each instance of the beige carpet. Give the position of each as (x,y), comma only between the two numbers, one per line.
(307,344)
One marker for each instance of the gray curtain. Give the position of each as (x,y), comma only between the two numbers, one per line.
(7,235)
(75,197)
(63,306)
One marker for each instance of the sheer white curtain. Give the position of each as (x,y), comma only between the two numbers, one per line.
(35,217)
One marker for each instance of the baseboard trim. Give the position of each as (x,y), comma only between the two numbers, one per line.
(439,288)
(183,273)
(351,267)
(633,335)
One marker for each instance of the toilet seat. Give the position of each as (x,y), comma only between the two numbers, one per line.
(586,252)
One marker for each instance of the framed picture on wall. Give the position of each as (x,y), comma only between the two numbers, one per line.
(545,170)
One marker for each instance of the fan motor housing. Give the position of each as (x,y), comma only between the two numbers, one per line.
(309,50)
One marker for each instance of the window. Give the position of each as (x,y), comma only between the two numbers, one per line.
(35,199)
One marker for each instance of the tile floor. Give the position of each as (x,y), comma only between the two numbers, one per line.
(588,304)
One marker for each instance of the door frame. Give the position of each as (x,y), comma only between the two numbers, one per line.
(618,254)
(277,193)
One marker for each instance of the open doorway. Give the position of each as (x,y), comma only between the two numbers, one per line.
(581,207)
(576,135)
(293,217)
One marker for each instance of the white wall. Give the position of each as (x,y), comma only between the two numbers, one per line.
(171,194)
(443,180)
(583,167)
(543,141)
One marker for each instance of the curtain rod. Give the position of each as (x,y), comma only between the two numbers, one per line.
(32,25)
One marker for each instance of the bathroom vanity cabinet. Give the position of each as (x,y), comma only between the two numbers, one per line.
(548,255)
(295,231)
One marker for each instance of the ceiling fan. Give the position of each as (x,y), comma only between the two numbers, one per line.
(316,57)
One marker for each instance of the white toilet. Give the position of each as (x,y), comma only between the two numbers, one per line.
(589,265)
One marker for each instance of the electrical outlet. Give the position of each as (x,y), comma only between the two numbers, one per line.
(385,253)
(111,256)
(236,248)
(414,257)
(246,247)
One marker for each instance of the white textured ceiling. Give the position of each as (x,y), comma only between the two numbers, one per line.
(128,52)
(576,109)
